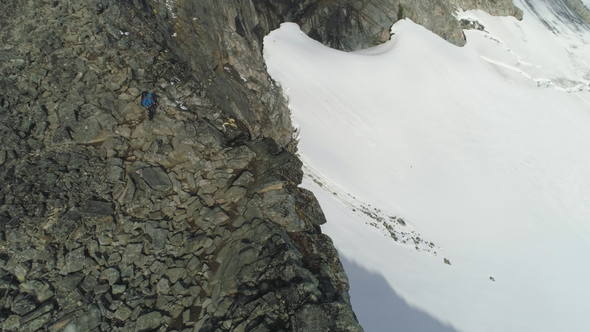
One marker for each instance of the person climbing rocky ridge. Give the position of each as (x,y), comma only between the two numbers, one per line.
(112,222)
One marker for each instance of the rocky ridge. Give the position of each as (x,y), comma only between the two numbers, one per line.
(192,221)
(350,25)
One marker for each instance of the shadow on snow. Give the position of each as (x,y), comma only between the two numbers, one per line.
(380,309)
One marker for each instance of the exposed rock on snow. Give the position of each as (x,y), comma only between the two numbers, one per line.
(391,226)
(352,25)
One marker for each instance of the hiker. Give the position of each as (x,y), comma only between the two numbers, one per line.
(149,100)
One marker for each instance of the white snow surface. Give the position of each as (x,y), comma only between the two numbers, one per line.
(483,150)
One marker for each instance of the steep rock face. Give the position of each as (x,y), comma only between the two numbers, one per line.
(351,25)
(222,46)
(494,7)
(579,9)
(569,11)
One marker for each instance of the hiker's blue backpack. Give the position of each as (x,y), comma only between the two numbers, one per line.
(148,99)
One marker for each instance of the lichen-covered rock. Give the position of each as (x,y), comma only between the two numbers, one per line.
(149,321)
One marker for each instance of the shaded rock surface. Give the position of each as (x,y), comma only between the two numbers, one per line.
(192,221)
(350,25)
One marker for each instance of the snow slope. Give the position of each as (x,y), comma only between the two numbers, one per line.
(481,150)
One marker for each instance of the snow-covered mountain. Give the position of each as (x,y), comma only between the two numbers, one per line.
(455,180)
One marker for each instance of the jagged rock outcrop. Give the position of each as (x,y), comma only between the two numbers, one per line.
(351,25)
(192,221)
(494,7)
(578,8)
(569,11)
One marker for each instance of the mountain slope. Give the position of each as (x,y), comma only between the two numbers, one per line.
(479,150)
(190,219)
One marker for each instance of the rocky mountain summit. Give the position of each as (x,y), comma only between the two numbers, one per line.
(192,221)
